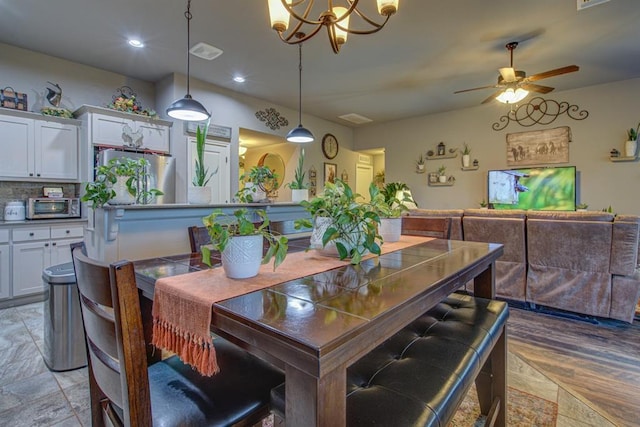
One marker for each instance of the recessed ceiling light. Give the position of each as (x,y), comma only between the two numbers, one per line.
(239,79)
(135,43)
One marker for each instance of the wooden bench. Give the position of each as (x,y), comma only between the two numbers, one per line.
(421,375)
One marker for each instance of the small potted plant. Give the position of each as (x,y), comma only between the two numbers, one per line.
(240,242)
(391,202)
(631,145)
(299,190)
(581,207)
(420,163)
(483,204)
(117,183)
(199,193)
(442,177)
(258,181)
(466,159)
(341,225)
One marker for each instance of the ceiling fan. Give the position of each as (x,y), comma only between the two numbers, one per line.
(517,82)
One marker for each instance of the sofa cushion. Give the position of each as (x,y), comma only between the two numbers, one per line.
(571,216)
(496,213)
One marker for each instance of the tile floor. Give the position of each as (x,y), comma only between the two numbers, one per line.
(31,395)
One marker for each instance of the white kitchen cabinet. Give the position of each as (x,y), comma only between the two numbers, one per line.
(117,129)
(5,282)
(41,149)
(34,249)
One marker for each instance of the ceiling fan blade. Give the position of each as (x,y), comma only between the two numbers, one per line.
(508,74)
(551,73)
(492,97)
(475,88)
(536,88)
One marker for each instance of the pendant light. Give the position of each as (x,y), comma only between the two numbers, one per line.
(300,134)
(187,108)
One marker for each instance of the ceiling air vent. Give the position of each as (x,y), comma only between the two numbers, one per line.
(583,4)
(205,51)
(355,118)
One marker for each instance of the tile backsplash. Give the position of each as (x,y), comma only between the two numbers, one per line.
(16,190)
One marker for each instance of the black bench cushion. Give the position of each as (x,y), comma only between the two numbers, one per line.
(420,375)
(242,386)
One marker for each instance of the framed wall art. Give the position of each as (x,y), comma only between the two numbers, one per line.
(330,171)
(538,147)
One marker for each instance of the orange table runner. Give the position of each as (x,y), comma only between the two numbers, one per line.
(182,303)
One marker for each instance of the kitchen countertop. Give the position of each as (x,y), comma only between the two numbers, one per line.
(191,206)
(37,222)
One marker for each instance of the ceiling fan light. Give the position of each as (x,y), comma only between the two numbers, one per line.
(510,96)
(279,15)
(300,135)
(387,7)
(188,109)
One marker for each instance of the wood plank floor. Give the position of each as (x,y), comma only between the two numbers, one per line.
(600,362)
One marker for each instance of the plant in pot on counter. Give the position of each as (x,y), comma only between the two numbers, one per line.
(259,180)
(299,191)
(341,224)
(117,183)
(390,204)
(240,241)
(200,193)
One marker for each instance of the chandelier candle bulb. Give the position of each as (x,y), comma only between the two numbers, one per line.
(279,15)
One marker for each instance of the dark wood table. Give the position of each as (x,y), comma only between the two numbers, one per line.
(318,325)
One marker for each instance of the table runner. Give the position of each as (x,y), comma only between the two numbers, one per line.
(182,304)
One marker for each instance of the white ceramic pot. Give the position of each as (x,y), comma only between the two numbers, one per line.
(466,160)
(320,226)
(256,193)
(442,178)
(199,195)
(630,148)
(122,197)
(390,229)
(242,257)
(299,195)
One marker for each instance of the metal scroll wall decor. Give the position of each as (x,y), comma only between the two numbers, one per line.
(539,111)
(272,118)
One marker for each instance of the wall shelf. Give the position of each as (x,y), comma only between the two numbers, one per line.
(441,184)
(470,168)
(444,156)
(623,159)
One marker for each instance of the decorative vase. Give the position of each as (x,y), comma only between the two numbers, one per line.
(298,195)
(122,197)
(442,178)
(420,167)
(199,195)
(256,193)
(320,225)
(390,229)
(242,256)
(630,148)
(466,160)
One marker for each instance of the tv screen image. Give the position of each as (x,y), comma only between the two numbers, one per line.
(552,189)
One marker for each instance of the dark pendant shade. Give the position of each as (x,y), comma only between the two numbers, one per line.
(300,135)
(188,109)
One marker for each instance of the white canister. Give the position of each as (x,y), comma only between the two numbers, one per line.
(14,211)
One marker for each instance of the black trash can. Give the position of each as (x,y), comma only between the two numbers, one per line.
(64,343)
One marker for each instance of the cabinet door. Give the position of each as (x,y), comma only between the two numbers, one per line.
(108,130)
(61,250)
(57,150)
(216,157)
(29,259)
(17,147)
(4,271)
(154,137)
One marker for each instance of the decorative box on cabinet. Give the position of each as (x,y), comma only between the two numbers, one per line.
(38,147)
(118,129)
(36,248)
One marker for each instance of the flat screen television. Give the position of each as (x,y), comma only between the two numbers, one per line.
(542,188)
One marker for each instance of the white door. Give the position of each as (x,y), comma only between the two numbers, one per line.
(216,159)
(57,148)
(16,143)
(29,259)
(364,177)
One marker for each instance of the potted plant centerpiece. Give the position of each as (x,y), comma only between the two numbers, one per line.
(116,183)
(466,158)
(199,193)
(299,190)
(240,242)
(257,182)
(391,203)
(342,225)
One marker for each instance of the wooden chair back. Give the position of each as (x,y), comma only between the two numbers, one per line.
(427,226)
(115,342)
(198,236)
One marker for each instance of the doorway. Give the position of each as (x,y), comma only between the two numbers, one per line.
(364,176)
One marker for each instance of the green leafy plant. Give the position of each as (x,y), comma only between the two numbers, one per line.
(632,134)
(353,226)
(201,175)
(222,227)
(420,160)
(386,201)
(582,206)
(466,150)
(100,191)
(262,178)
(299,174)
(483,203)
(442,170)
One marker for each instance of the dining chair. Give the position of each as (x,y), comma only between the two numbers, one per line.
(198,236)
(126,391)
(426,226)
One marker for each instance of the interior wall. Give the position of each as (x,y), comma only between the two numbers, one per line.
(612,108)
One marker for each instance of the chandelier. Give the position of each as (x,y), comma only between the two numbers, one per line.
(334,18)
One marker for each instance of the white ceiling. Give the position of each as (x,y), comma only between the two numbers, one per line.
(428,50)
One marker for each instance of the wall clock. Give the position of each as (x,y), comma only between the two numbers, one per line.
(329,146)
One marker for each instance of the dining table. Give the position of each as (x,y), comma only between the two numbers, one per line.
(315,326)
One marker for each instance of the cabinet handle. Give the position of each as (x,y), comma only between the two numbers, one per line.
(30,174)
(46,245)
(67,231)
(38,174)
(53,244)
(31,234)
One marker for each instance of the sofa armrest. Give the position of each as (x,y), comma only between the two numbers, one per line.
(624,248)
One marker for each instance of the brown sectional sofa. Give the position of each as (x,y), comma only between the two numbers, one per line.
(584,262)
